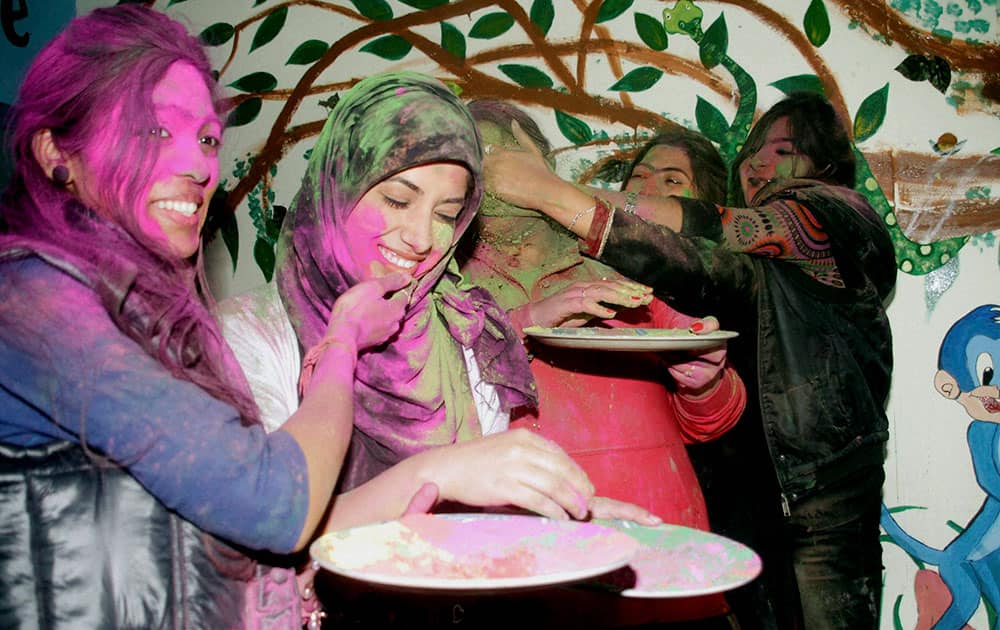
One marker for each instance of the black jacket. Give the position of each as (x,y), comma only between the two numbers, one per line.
(83,545)
(816,359)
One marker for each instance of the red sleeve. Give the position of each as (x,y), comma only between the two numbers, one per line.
(708,417)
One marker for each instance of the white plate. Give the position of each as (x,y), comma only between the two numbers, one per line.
(677,561)
(628,339)
(473,551)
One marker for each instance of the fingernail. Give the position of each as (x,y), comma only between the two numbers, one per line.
(637,297)
(697,327)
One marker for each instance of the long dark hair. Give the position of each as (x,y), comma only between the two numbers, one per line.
(110,61)
(817,132)
(708,169)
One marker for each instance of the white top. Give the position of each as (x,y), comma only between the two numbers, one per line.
(258,329)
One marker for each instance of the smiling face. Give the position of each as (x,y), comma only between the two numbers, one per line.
(405,222)
(777,159)
(172,209)
(663,171)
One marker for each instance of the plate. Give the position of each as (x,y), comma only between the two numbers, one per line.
(474,551)
(678,561)
(628,339)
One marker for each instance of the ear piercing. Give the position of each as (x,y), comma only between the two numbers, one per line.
(60,175)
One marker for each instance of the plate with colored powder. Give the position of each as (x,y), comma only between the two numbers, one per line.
(474,551)
(629,339)
(677,561)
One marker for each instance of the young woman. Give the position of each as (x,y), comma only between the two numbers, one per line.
(802,274)
(393,182)
(624,417)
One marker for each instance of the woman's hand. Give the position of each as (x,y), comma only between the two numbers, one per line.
(582,301)
(606,507)
(522,176)
(514,467)
(703,371)
(370,312)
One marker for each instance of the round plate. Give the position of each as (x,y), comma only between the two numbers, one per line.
(677,561)
(473,551)
(629,339)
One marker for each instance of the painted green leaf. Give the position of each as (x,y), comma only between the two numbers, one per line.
(255,82)
(259,2)
(245,112)
(526,76)
(269,28)
(375,10)
(710,121)
(424,4)
(871,114)
(817,23)
(610,9)
(453,41)
(173,2)
(799,83)
(263,254)
(574,129)
(492,25)
(230,231)
(307,52)
(996,151)
(217,34)
(714,44)
(637,80)
(651,31)
(391,47)
(542,14)
(930,68)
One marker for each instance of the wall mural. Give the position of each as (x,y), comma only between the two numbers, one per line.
(601,72)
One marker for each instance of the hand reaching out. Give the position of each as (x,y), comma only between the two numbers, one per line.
(703,370)
(519,176)
(514,467)
(582,301)
(366,314)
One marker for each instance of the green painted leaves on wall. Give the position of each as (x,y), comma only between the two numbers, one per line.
(452,41)
(930,68)
(542,14)
(714,44)
(375,10)
(269,28)
(637,80)
(307,52)
(217,34)
(526,76)
(816,23)
(392,47)
(255,82)
(244,113)
(871,114)
(492,25)
(651,31)
(573,129)
(799,83)
(710,121)
(610,9)
(424,4)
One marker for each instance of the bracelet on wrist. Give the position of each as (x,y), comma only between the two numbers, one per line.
(313,356)
(580,214)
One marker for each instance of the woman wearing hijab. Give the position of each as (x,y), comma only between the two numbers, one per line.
(392,183)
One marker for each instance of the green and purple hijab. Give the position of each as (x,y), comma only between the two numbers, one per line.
(413,392)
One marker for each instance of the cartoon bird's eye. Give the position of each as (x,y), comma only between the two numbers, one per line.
(984,368)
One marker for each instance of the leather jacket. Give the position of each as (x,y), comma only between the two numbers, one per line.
(83,545)
(816,359)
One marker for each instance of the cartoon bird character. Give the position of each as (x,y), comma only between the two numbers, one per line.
(970,564)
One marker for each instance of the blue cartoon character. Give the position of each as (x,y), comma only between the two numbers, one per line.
(970,564)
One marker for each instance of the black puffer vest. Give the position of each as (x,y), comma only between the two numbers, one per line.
(83,545)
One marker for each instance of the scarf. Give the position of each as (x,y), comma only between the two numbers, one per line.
(412,392)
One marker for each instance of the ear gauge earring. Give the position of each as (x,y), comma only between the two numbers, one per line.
(60,175)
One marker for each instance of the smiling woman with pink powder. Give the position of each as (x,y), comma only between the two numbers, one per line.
(138,482)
